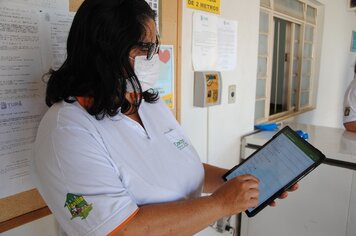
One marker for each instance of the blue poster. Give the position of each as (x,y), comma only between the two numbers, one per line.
(353,42)
(165,84)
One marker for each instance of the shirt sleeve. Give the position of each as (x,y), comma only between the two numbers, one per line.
(350,104)
(90,198)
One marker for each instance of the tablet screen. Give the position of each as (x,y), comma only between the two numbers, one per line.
(278,164)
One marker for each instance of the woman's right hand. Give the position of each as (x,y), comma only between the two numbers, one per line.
(237,194)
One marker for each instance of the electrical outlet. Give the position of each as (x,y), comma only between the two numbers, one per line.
(223,226)
(232,94)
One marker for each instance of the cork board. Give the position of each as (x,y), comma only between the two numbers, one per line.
(29,206)
(21,208)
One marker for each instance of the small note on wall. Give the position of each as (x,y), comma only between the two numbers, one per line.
(212,6)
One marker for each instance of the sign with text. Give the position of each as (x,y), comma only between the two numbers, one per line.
(212,6)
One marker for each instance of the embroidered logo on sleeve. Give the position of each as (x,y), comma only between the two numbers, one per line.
(347,111)
(77,206)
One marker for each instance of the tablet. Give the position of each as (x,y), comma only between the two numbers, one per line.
(278,164)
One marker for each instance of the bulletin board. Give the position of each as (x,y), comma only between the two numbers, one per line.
(28,206)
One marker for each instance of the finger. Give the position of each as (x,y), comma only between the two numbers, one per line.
(248,177)
(251,184)
(273,204)
(283,195)
(253,193)
(293,187)
(253,202)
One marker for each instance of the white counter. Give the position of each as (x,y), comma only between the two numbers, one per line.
(325,204)
(335,143)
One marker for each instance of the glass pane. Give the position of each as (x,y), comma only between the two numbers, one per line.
(263,22)
(305,83)
(296,39)
(292,100)
(294,90)
(263,44)
(295,66)
(261,88)
(294,83)
(306,67)
(309,33)
(265,3)
(296,49)
(308,50)
(290,7)
(297,32)
(260,109)
(296,62)
(262,67)
(304,99)
(311,14)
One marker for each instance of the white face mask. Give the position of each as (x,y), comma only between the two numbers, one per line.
(147,72)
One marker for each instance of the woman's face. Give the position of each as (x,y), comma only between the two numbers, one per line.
(150,37)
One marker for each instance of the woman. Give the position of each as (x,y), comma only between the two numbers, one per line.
(350,105)
(110,159)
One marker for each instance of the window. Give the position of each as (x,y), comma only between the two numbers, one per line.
(352,4)
(285,59)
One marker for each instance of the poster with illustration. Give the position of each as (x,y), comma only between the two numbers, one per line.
(165,84)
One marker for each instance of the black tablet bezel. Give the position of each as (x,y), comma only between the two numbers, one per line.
(293,181)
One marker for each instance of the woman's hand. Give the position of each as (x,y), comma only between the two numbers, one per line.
(285,194)
(238,194)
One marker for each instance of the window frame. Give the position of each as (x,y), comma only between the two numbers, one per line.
(297,108)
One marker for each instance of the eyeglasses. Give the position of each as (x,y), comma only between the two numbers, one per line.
(151,48)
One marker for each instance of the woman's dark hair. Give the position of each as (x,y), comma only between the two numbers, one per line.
(97,66)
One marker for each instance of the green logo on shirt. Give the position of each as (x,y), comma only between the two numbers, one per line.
(180,144)
(77,206)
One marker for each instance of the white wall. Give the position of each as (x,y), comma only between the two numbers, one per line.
(45,226)
(336,65)
(216,131)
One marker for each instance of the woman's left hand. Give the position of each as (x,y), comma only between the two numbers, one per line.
(285,194)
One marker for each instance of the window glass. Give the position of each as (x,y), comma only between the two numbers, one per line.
(309,33)
(290,7)
(296,65)
(263,22)
(263,45)
(304,99)
(311,14)
(305,82)
(261,88)
(265,3)
(262,67)
(306,67)
(308,50)
(260,109)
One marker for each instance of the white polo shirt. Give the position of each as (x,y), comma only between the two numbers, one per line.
(94,174)
(350,103)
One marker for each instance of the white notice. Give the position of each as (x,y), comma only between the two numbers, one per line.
(54,31)
(53,4)
(21,96)
(214,43)
(205,41)
(154,4)
(227,46)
